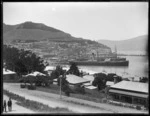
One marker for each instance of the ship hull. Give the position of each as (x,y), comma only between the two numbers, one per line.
(102,63)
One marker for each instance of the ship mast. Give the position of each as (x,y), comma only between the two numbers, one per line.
(116,51)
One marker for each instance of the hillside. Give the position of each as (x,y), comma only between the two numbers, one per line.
(31,31)
(137,44)
(39,32)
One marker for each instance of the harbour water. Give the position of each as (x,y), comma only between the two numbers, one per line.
(138,66)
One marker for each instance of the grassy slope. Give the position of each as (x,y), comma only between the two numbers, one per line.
(91,95)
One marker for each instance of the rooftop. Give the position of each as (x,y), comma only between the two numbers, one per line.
(89,77)
(91,87)
(132,86)
(35,74)
(6,72)
(49,68)
(73,79)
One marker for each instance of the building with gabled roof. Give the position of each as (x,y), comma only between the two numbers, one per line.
(74,80)
(130,92)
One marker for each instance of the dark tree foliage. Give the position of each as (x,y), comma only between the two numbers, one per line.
(74,70)
(110,76)
(113,76)
(22,61)
(143,79)
(57,72)
(64,84)
(100,80)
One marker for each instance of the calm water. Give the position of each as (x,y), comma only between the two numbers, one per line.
(138,65)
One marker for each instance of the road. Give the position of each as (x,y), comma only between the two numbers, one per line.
(73,104)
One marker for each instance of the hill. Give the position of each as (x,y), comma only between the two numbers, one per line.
(30,31)
(137,44)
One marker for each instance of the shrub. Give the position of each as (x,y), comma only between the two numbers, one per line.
(138,107)
(31,87)
(104,100)
(80,90)
(22,86)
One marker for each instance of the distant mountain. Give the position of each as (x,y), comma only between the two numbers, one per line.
(37,31)
(137,44)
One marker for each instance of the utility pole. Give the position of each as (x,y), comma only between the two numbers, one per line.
(60,87)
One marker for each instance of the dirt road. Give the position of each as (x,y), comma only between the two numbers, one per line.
(74,104)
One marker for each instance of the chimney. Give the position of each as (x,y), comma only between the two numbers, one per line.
(115,80)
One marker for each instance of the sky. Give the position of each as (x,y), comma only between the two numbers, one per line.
(89,20)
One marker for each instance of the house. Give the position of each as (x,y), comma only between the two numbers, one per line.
(76,80)
(9,75)
(130,92)
(89,85)
(90,78)
(49,69)
(35,74)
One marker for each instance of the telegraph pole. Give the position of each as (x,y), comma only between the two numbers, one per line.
(60,87)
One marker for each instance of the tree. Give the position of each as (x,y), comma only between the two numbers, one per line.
(113,77)
(64,84)
(74,69)
(57,72)
(110,76)
(143,79)
(22,61)
(100,81)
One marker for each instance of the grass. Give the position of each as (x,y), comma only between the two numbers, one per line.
(33,105)
(90,95)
